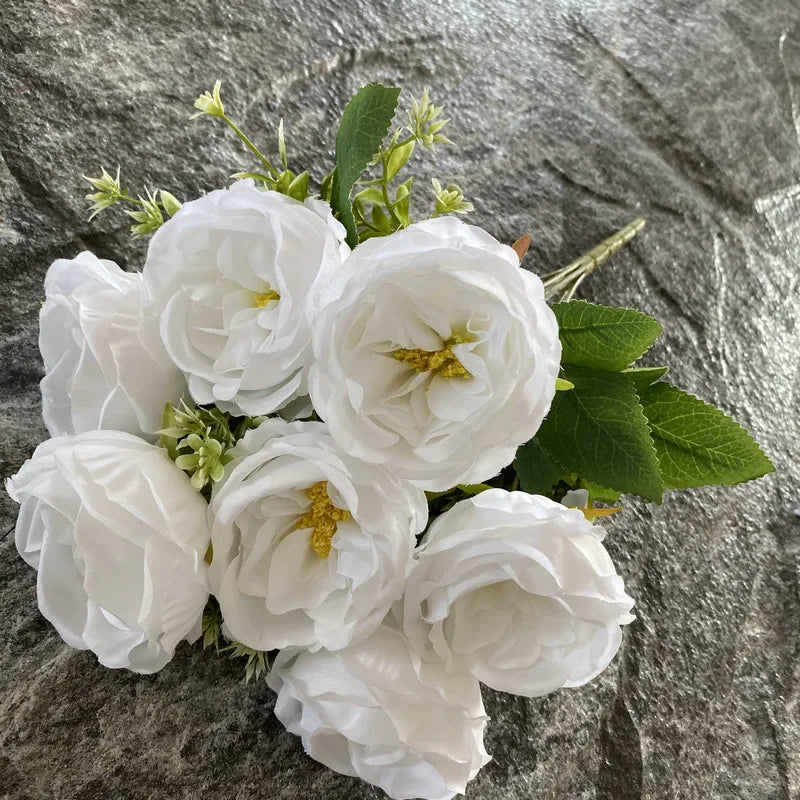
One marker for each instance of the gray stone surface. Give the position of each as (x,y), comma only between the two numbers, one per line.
(571,117)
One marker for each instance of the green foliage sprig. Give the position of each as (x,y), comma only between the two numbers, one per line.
(198,440)
(147,218)
(284,181)
(382,206)
(378,208)
(257,661)
(622,429)
(364,124)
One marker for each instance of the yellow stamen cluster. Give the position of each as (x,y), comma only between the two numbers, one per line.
(260,299)
(443,362)
(322,518)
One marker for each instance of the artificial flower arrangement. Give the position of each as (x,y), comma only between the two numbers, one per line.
(312,425)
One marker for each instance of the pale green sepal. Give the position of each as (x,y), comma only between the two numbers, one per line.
(171,203)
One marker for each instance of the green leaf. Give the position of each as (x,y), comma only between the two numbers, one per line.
(380,219)
(170,432)
(211,624)
(603,337)
(257,176)
(282,145)
(364,124)
(698,444)
(473,488)
(600,493)
(642,377)
(398,159)
(598,430)
(298,188)
(327,187)
(171,203)
(402,200)
(371,195)
(536,469)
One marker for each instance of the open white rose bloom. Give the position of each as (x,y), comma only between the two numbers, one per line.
(311,546)
(105,365)
(230,276)
(376,711)
(518,590)
(435,354)
(118,537)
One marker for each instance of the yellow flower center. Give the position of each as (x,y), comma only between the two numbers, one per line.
(442,362)
(260,299)
(321,518)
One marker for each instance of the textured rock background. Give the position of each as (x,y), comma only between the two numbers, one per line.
(571,117)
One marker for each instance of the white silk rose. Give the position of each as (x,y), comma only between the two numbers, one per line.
(118,537)
(518,590)
(435,354)
(311,547)
(231,276)
(377,712)
(105,365)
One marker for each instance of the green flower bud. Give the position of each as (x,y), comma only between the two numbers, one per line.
(209,103)
(109,192)
(149,218)
(171,203)
(449,200)
(424,125)
(298,188)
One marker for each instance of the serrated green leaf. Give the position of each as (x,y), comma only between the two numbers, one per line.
(603,337)
(642,377)
(697,444)
(364,125)
(536,469)
(598,431)
(600,493)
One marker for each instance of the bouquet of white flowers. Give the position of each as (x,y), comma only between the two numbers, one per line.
(378,446)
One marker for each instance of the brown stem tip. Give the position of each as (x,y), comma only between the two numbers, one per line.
(520,247)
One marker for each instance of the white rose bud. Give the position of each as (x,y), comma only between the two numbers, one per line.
(105,365)
(311,546)
(376,712)
(118,537)
(518,590)
(231,276)
(436,354)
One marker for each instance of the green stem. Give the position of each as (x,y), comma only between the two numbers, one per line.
(567,279)
(385,185)
(253,149)
(369,225)
(135,200)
